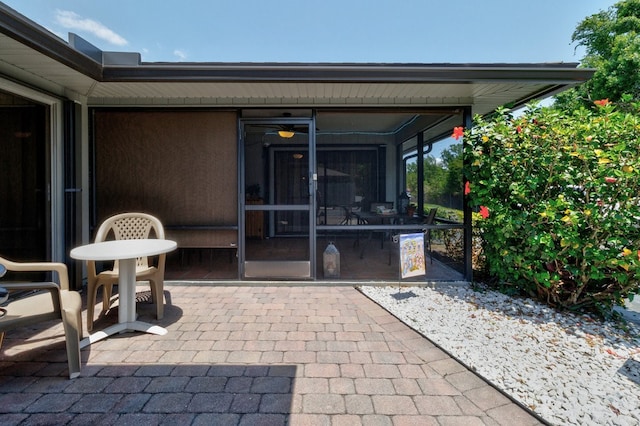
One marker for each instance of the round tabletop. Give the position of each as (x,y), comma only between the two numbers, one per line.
(123,249)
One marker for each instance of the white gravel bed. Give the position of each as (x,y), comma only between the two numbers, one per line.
(569,369)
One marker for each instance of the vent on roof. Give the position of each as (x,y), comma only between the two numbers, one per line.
(104,58)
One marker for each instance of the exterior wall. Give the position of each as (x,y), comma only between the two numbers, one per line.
(180,166)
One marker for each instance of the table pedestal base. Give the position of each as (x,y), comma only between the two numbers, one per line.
(122,328)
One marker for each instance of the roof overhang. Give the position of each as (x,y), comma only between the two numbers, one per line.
(77,70)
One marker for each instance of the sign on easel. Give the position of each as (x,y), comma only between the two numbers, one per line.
(412,262)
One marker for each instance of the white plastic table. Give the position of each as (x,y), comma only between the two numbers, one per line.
(126,252)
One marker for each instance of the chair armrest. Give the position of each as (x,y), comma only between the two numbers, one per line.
(29,286)
(60,268)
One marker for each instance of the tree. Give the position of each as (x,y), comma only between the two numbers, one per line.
(612,42)
(452,159)
(435,177)
(412,177)
(442,177)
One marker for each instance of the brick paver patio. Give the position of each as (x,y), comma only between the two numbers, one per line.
(259,355)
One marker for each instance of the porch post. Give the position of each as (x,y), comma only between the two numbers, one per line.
(420,172)
(72,191)
(468,230)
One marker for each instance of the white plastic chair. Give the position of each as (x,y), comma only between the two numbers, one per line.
(126,226)
(43,301)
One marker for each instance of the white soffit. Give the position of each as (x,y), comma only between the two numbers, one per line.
(34,68)
(313,94)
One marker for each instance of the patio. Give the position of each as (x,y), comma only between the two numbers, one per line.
(234,354)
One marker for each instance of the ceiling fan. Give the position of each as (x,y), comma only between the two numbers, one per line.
(286,131)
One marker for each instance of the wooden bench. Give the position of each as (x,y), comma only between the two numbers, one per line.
(204,237)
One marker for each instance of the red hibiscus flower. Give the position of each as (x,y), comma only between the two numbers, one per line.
(602,102)
(484,212)
(467,188)
(458,132)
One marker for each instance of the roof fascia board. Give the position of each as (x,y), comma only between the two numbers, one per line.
(366,73)
(27,32)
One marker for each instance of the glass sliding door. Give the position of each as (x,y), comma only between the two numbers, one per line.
(24,181)
(280,183)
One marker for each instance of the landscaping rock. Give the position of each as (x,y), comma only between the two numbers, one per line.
(570,369)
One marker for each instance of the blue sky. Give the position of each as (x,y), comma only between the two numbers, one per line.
(384,31)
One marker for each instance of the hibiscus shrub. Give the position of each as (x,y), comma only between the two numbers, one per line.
(559,195)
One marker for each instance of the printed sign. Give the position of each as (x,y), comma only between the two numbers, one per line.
(412,262)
